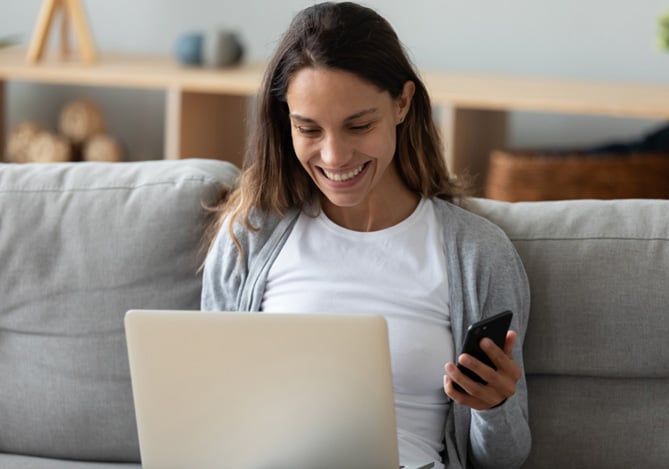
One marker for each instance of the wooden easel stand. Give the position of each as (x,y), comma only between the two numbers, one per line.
(72,13)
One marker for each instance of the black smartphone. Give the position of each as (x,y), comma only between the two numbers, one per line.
(495,328)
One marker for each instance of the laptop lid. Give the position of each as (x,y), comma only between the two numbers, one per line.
(273,391)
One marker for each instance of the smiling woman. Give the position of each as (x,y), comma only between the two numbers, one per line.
(345,205)
(344,135)
(337,39)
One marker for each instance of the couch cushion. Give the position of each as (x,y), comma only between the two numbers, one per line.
(596,350)
(608,423)
(80,244)
(599,283)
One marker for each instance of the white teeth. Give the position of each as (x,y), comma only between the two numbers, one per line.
(340,177)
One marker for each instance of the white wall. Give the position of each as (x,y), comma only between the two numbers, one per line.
(613,40)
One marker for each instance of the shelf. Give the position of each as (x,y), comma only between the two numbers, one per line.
(206,109)
(132,71)
(504,93)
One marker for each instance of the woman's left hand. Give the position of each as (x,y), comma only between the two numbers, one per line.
(501,382)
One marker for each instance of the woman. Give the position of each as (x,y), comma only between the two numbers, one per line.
(345,205)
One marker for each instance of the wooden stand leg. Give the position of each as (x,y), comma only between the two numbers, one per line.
(41,34)
(84,36)
(64,34)
(202,125)
(469,136)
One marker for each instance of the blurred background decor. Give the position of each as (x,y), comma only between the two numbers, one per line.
(217,49)
(71,11)
(222,48)
(81,136)
(663,31)
(634,169)
(188,49)
(162,110)
(6,41)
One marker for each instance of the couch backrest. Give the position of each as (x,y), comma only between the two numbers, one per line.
(80,244)
(597,345)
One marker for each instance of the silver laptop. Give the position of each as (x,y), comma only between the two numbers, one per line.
(265,391)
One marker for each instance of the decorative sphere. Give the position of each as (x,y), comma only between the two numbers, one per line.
(222,49)
(81,119)
(189,49)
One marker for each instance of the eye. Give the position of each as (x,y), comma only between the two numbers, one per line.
(308,131)
(361,127)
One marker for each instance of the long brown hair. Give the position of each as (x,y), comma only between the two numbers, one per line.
(348,37)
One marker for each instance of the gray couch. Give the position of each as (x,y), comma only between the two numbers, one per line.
(82,243)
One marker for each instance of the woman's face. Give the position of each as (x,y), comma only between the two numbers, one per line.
(344,134)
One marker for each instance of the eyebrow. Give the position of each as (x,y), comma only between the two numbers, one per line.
(357,115)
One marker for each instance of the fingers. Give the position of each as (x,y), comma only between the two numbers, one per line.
(508,372)
(477,396)
(510,342)
(501,382)
(497,355)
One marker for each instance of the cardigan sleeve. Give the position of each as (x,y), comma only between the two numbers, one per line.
(487,277)
(223,274)
(234,280)
(500,437)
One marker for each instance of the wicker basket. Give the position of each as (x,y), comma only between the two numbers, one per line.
(518,176)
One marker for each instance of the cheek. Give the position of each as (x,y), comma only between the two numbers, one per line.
(304,150)
(380,144)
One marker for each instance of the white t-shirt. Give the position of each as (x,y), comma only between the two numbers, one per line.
(399,272)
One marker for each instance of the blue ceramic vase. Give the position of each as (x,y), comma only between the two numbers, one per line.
(188,49)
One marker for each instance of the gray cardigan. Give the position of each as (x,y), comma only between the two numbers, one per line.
(486,277)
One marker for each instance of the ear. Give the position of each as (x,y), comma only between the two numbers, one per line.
(403,102)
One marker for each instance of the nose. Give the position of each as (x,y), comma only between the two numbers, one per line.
(336,152)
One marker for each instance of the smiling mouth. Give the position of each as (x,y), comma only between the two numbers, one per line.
(345,176)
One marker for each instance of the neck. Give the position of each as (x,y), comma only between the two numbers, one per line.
(375,213)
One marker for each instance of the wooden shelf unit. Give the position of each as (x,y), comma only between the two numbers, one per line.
(206,109)
(475,108)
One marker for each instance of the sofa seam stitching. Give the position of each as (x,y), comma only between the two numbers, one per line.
(107,188)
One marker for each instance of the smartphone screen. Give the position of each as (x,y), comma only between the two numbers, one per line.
(494,328)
